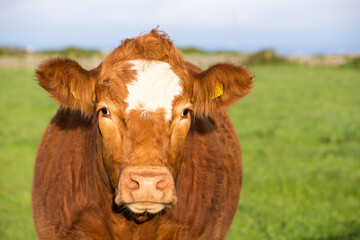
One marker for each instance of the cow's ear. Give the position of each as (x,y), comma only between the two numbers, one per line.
(219,86)
(70,84)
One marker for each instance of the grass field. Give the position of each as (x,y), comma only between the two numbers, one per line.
(300,135)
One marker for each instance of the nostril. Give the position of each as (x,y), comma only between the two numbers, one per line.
(131,183)
(162,184)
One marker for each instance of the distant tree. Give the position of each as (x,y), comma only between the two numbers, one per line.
(263,57)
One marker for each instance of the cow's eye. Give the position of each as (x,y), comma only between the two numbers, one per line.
(105,111)
(185,112)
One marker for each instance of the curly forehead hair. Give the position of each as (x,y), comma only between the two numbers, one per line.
(155,45)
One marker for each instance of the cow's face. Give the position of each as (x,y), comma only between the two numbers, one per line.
(142,98)
(144,115)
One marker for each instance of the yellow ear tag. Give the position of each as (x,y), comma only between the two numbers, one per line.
(219,90)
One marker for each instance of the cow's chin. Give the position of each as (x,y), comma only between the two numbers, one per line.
(142,207)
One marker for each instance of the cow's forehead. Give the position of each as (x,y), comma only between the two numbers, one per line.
(154,87)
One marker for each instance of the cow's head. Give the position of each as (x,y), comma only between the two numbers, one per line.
(143,97)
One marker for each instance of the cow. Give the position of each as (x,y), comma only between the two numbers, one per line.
(141,146)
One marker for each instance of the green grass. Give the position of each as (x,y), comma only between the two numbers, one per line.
(25,111)
(300,135)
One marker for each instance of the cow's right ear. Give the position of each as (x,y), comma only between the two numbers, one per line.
(70,84)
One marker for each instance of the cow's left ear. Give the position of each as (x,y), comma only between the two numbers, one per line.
(219,86)
(70,84)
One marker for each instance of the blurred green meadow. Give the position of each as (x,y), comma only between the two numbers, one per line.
(300,136)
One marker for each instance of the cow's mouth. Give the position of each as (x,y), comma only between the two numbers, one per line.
(150,207)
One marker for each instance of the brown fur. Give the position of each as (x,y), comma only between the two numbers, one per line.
(236,82)
(83,152)
(55,77)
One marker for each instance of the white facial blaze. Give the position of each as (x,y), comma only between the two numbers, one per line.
(155,87)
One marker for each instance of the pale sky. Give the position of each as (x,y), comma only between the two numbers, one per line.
(288,26)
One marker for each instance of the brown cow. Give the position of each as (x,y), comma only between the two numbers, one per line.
(141,147)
